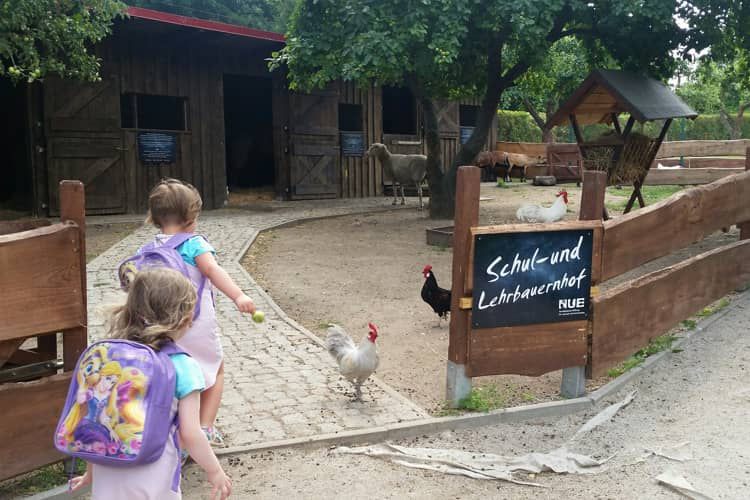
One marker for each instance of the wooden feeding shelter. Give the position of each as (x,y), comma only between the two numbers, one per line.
(625,155)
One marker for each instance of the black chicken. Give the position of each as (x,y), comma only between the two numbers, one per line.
(438,298)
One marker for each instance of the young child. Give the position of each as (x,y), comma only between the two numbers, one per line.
(173,207)
(159,309)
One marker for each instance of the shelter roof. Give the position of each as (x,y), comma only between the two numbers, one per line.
(605,92)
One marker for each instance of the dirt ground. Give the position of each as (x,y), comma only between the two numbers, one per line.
(355,269)
(699,397)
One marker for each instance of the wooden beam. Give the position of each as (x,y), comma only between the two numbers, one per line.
(466,217)
(671,224)
(745,225)
(638,184)
(73,208)
(628,127)
(30,413)
(592,195)
(549,346)
(688,176)
(576,129)
(674,149)
(616,123)
(626,317)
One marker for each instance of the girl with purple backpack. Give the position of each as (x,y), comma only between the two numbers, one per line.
(174,207)
(158,311)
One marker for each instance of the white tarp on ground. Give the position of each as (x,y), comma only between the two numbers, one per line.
(489,466)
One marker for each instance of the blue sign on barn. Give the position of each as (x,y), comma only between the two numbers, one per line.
(157,148)
(466,133)
(530,278)
(352,143)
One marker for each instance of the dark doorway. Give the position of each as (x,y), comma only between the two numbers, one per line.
(16,192)
(248,117)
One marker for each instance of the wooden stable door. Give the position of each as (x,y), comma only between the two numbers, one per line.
(314,141)
(84,142)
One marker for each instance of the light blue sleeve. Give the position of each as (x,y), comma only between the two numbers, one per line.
(189,375)
(192,248)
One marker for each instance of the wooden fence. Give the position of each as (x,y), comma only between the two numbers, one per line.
(625,318)
(43,279)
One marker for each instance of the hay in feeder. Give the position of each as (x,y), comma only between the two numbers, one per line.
(632,163)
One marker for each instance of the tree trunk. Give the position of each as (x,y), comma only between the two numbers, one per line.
(546,133)
(738,120)
(729,124)
(441,200)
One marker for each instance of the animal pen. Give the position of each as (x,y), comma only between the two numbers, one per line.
(194,99)
(43,279)
(594,331)
(625,156)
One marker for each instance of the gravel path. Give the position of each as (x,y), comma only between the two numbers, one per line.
(699,395)
(280,381)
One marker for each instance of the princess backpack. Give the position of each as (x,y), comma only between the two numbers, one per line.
(121,406)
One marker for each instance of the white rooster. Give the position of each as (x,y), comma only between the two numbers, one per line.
(535,213)
(356,363)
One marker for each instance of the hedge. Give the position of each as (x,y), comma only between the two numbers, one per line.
(519,126)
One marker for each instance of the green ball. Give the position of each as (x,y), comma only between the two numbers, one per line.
(259,316)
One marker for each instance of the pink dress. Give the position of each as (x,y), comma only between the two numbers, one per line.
(202,341)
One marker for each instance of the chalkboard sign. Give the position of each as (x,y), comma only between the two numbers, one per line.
(157,148)
(466,133)
(529,278)
(352,143)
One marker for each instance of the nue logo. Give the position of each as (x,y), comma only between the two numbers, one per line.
(575,303)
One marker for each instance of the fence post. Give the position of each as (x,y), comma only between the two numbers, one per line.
(573,383)
(745,226)
(458,384)
(73,208)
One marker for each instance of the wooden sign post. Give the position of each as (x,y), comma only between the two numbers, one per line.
(521,293)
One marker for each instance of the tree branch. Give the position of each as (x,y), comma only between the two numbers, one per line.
(533,112)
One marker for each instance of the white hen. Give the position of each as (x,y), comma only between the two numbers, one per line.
(356,363)
(535,213)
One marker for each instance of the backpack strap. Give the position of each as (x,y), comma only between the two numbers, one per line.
(174,242)
(168,349)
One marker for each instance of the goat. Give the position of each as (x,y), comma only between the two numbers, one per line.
(402,168)
(509,161)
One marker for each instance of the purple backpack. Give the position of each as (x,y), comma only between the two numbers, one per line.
(121,404)
(165,255)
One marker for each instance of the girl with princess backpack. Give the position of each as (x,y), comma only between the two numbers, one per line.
(133,394)
(173,207)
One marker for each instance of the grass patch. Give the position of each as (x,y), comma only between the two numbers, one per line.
(713,308)
(651,194)
(42,479)
(484,398)
(323,325)
(502,184)
(656,345)
(689,324)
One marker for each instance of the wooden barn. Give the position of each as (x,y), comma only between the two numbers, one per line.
(194,99)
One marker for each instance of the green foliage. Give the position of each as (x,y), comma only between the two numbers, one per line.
(271,15)
(38,37)
(42,479)
(656,345)
(484,398)
(713,309)
(689,324)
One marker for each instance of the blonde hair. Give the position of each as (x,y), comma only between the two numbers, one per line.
(173,201)
(158,309)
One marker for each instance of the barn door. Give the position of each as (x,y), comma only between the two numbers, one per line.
(84,142)
(314,141)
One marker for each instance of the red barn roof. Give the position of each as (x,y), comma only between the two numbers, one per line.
(203,24)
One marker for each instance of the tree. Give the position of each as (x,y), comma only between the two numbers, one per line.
(38,37)
(449,48)
(271,15)
(543,88)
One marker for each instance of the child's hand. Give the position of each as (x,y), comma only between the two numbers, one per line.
(222,486)
(79,482)
(245,304)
